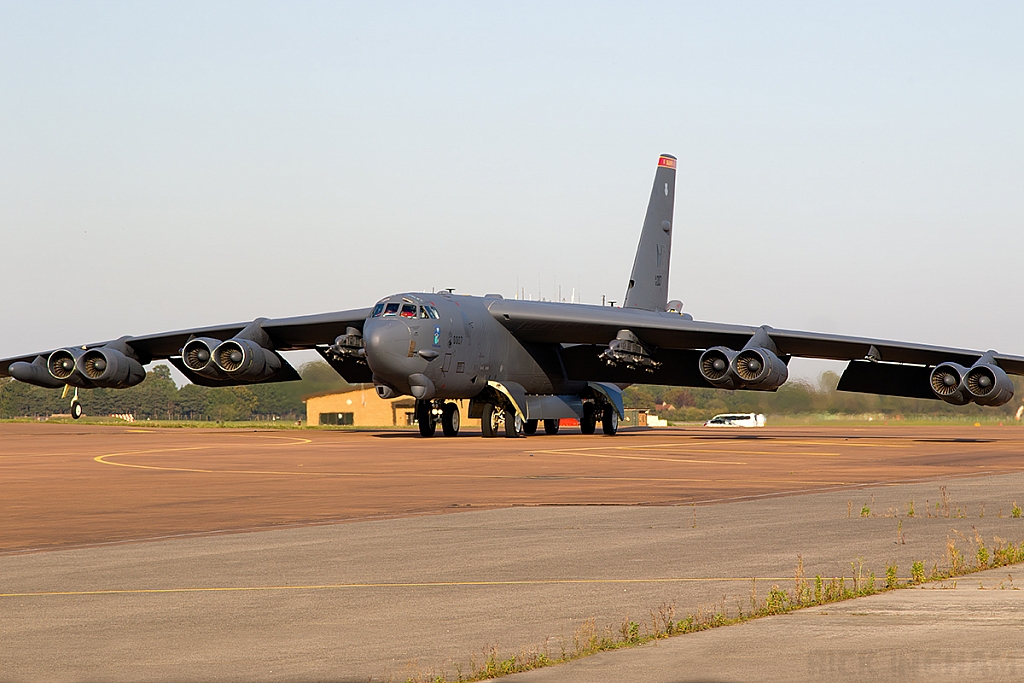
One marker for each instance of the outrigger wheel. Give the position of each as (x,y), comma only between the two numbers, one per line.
(76,407)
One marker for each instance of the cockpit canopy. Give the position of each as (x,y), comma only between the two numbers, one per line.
(404,308)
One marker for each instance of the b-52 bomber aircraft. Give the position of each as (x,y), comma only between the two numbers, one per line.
(523,363)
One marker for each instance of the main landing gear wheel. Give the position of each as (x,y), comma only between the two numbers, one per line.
(450,419)
(551,426)
(610,421)
(76,409)
(513,424)
(425,418)
(530,427)
(492,420)
(496,420)
(589,422)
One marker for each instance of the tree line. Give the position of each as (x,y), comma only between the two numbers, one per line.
(800,397)
(158,398)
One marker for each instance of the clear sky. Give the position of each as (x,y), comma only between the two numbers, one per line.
(843,167)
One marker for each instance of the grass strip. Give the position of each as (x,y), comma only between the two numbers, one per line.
(589,639)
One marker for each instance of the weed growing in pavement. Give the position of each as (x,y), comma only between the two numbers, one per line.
(910,509)
(891,578)
(1015,512)
(589,639)
(865,511)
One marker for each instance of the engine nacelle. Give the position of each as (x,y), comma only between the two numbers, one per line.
(760,369)
(109,367)
(35,373)
(716,367)
(197,356)
(62,365)
(988,385)
(947,381)
(244,359)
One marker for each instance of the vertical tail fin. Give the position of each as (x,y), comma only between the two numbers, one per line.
(648,284)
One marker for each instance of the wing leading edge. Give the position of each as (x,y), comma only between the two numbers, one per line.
(896,368)
(281,334)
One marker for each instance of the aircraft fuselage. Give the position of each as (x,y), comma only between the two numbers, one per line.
(446,346)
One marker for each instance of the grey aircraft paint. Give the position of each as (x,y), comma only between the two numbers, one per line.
(522,362)
(648,282)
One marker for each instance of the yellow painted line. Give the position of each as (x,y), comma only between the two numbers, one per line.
(391,473)
(649,458)
(739,451)
(102,459)
(845,444)
(425,584)
(683,450)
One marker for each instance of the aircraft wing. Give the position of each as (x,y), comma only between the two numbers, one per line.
(677,340)
(285,334)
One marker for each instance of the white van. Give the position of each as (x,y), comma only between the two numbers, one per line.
(736,420)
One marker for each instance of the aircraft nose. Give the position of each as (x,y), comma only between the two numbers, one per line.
(387,349)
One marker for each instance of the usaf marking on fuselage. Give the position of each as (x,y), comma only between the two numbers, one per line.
(523,363)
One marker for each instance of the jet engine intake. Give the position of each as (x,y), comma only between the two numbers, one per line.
(752,368)
(760,369)
(63,366)
(246,360)
(988,385)
(197,355)
(947,380)
(109,367)
(716,368)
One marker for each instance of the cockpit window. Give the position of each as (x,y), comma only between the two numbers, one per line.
(377,310)
(431,312)
(392,309)
(408,311)
(423,312)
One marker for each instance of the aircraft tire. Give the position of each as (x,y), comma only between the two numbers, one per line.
(488,420)
(530,427)
(425,419)
(551,426)
(513,424)
(589,422)
(450,420)
(610,421)
(76,409)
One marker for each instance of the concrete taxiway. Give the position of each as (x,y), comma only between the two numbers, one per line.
(418,594)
